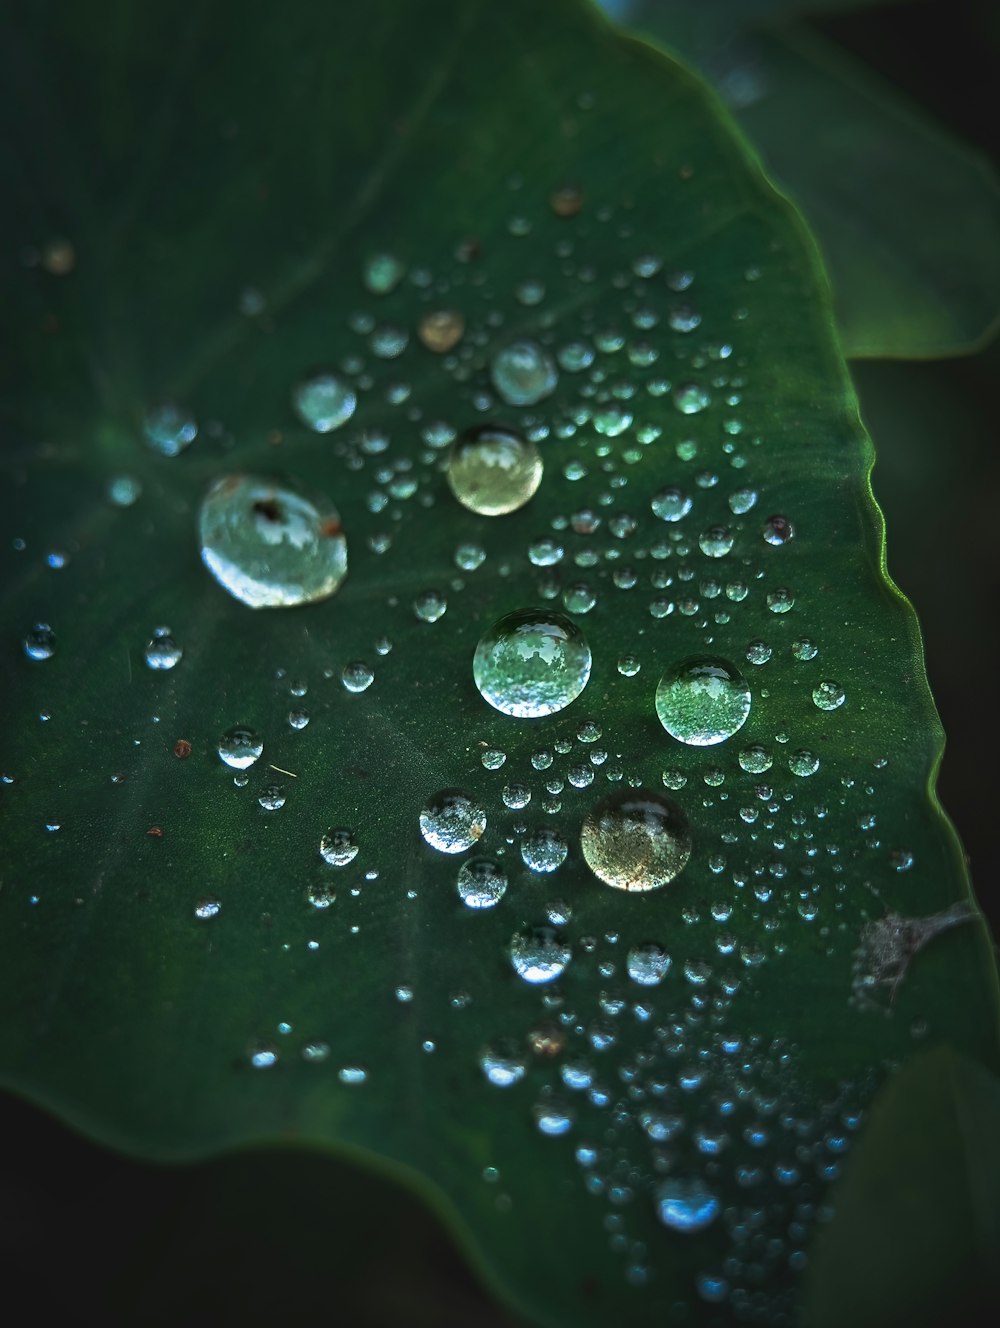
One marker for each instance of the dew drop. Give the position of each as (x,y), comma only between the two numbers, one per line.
(324,401)
(531,663)
(40,642)
(383,273)
(162,652)
(635,840)
(755,760)
(523,373)
(239,747)
(671,504)
(481,883)
(778,530)
(702,701)
(502,1064)
(803,763)
(169,428)
(543,850)
(451,822)
(269,546)
(493,471)
(552,1118)
(647,964)
(357,676)
(689,399)
(338,847)
(686,1205)
(429,606)
(441,330)
(272,798)
(207,908)
(539,955)
(828,695)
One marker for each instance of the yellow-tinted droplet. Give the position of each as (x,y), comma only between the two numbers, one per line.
(493,471)
(441,330)
(635,840)
(566,201)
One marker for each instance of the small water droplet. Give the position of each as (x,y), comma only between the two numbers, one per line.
(338,847)
(523,373)
(357,676)
(755,760)
(686,1205)
(272,798)
(207,908)
(324,401)
(539,955)
(828,695)
(702,701)
(502,1064)
(635,840)
(715,542)
(441,330)
(671,504)
(531,663)
(40,642)
(689,398)
(481,883)
(778,530)
(647,964)
(383,273)
(169,428)
(451,821)
(162,652)
(803,763)
(543,850)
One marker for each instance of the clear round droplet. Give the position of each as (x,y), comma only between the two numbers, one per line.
(40,642)
(207,908)
(429,606)
(671,504)
(162,651)
(502,1064)
(828,695)
(451,821)
(755,760)
(715,542)
(272,798)
(803,763)
(481,883)
(539,955)
(686,1205)
(493,471)
(543,850)
(357,676)
(338,847)
(269,546)
(240,747)
(702,701)
(635,840)
(523,373)
(324,401)
(169,428)
(648,964)
(531,663)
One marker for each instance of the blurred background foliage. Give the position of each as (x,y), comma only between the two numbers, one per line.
(268,1237)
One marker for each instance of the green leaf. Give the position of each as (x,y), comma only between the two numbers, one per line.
(195,202)
(916,1224)
(905,214)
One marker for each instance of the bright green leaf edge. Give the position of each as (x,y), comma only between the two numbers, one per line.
(97,1126)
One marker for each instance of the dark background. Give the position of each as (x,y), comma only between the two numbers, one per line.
(280,1237)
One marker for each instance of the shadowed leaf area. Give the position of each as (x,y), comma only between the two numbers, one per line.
(340,335)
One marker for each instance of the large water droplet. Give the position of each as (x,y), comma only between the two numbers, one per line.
(481,883)
(702,701)
(539,955)
(451,822)
(239,747)
(268,546)
(493,471)
(686,1205)
(324,401)
(532,662)
(635,840)
(523,373)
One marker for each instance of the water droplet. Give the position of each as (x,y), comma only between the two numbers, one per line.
(566,201)
(268,546)
(539,955)
(755,760)
(451,822)
(388,342)
(338,847)
(469,557)
(383,273)
(828,695)
(702,701)
(441,330)
(481,883)
(804,650)
(647,964)
(543,850)
(429,606)
(493,471)
(803,763)
(124,490)
(523,373)
(628,666)
(357,676)
(575,356)
(532,662)
(272,798)
(689,399)
(686,1204)
(502,1064)
(207,908)
(778,530)
(635,840)
(263,1056)
(239,747)
(492,759)
(742,501)
(169,428)
(612,419)
(352,1074)
(715,542)
(671,504)
(40,642)
(552,1118)
(516,796)
(162,652)
(324,401)
(758,652)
